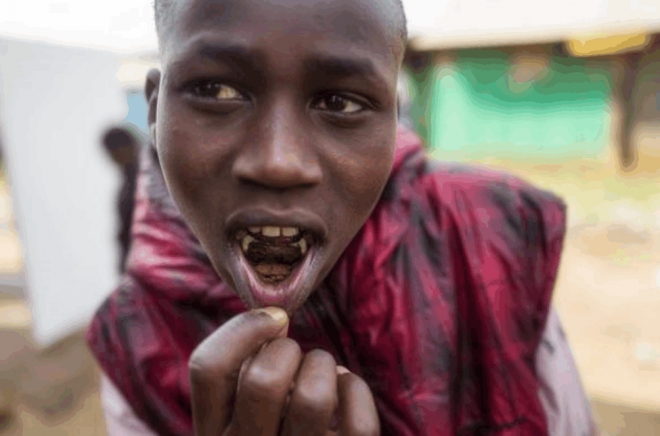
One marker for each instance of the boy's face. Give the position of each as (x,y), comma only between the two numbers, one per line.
(275,126)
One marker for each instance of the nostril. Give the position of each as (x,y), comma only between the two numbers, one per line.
(276,188)
(278,164)
(279,178)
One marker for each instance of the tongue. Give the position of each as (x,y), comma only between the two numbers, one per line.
(263,252)
(273,272)
(273,262)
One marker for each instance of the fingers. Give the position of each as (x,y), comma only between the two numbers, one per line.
(314,397)
(357,410)
(215,364)
(263,389)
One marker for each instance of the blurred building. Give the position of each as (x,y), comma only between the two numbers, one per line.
(57,244)
(558,80)
(55,101)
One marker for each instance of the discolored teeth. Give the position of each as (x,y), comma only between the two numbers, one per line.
(302,244)
(273,252)
(271,231)
(245,243)
(247,239)
(274,231)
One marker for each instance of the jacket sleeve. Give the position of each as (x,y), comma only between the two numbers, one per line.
(510,237)
(120,419)
(561,392)
(135,351)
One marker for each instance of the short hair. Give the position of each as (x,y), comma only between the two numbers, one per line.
(118,137)
(163,12)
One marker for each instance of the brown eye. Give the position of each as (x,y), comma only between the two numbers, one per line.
(217,91)
(337,103)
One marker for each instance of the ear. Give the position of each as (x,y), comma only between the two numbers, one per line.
(151,89)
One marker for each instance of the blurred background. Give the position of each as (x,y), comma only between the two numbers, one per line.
(564,93)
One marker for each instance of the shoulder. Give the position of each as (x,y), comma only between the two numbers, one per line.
(125,305)
(484,187)
(506,233)
(475,204)
(494,204)
(120,332)
(135,348)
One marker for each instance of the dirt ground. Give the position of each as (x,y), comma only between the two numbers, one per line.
(607,294)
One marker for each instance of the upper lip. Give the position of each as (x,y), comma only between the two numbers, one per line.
(264,216)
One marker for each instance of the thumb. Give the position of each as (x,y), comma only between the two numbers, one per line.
(215,365)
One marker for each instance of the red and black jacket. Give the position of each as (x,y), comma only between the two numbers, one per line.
(439,302)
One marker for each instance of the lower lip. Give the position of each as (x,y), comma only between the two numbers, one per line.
(284,294)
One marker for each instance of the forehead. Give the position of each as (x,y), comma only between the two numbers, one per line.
(361,25)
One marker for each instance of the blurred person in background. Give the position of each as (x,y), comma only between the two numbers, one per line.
(123,144)
(300,266)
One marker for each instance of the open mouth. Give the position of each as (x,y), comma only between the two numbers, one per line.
(273,252)
(276,266)
(276,256)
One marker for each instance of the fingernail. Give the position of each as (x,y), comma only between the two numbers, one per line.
(342,370)
(278,315)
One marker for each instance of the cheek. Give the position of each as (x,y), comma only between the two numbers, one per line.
(181,150)
(362,176)
(190,152)
(178,165)
(186,167)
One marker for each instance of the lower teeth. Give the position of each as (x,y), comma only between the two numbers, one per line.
(273,261)
(273,273)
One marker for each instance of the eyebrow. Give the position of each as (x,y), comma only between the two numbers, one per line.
(218,53)
(341,66)
(229,52)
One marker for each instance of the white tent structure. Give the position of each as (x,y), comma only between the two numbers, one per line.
(126,26)
(468,23)
(55,102)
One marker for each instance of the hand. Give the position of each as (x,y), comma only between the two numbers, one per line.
(248,379)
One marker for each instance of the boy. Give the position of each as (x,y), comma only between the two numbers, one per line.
(393,295)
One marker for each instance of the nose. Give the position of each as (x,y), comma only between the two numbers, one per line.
(279,156)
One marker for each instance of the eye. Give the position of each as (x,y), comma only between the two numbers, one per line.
(338,103)
(217,91)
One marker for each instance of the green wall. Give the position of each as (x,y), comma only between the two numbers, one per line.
(474,108)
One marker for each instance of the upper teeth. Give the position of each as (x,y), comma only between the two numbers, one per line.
(271,232)
(274,231)
(247,240)
(289,231)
